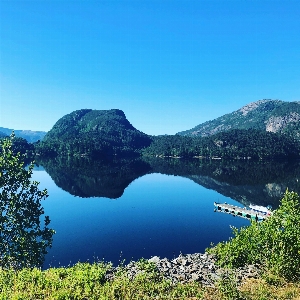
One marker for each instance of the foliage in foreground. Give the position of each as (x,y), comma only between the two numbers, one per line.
(273,243)
(87,281)
(23,239)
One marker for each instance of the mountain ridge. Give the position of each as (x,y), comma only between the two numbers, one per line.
(29,135)
(239,135)
(265,129)
(275,116)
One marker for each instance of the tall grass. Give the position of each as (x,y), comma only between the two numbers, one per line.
(88,281)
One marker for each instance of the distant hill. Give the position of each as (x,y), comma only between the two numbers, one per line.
(29,135)
(95,133)
(267,115)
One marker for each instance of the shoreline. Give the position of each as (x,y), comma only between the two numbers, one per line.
(186,268)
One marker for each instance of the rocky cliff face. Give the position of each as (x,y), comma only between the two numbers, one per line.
(275,124)
(268,115)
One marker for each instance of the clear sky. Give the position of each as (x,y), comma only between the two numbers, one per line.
(169,65)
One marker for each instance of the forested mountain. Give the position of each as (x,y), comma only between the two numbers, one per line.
(95,133)
(267,115)
(232,144)
(266,129)
(30,136)
(107,133)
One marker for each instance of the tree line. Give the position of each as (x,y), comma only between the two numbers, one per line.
(232,144)
(118,142)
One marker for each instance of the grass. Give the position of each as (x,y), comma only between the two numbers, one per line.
(87,281)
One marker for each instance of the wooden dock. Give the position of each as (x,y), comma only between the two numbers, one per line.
(240,211)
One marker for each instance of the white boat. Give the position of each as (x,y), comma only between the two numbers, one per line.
(262,209)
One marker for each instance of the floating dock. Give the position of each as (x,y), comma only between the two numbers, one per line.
(240,211)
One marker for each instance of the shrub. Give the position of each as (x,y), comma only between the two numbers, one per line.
(23,238)
(273,243)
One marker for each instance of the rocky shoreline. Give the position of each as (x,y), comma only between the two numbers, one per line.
(188,268)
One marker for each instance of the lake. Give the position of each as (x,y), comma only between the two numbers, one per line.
(129,209)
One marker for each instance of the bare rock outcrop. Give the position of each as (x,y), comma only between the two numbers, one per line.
(251,106)
(275,124)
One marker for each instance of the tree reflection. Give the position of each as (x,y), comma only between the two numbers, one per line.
(257,182)
(94,178)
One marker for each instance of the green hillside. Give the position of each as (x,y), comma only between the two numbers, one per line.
(96,133)
(267,129)
(232,144)
(267,115)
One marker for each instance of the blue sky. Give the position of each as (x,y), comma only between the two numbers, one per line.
(169,65)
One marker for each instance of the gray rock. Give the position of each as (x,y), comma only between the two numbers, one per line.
(154,259)
(190,267)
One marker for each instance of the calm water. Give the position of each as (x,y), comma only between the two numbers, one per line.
(156,214)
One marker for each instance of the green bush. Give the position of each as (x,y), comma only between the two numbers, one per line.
(273,243)
(24,236)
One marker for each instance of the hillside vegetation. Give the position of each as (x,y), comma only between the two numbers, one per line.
(20,145)
(266,129)
(96,133)
(265,115)
(86,281)
(235,144)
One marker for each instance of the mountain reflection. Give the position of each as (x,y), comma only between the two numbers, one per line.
(95,178)
(257,182)
(261,182)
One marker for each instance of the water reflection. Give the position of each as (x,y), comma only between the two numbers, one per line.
(259,183)
(160,222)
(95,178)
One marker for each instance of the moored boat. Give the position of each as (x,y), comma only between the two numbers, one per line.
(262,209)
(247,213)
